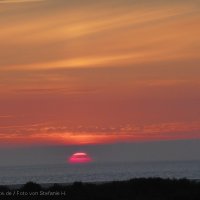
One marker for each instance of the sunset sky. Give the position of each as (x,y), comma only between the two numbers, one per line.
(96,72)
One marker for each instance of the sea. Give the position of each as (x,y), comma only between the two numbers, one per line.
(98,172)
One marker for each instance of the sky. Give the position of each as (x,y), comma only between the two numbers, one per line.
(86,72)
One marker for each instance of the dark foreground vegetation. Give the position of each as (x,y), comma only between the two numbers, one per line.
(134,189)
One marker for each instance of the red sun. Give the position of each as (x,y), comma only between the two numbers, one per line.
(79,157)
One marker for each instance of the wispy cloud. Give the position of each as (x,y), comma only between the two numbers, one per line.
(68,134)
(76,32)
(102,65)
(6,116)
(19,1)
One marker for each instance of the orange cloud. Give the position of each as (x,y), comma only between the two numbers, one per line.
(128,35)
(97,65)
(42,134)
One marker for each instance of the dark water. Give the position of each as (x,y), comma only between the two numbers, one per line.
(64,173)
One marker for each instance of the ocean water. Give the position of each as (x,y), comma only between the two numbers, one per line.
(94,172)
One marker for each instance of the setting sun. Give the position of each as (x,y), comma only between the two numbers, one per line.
(79,157)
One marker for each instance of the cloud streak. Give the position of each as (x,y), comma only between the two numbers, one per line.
(99,71)
(19,1)
(122,31)
(67,134)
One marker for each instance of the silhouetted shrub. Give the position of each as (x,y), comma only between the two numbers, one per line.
(138,189)
(4,189)
(57,187)
(31,186)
